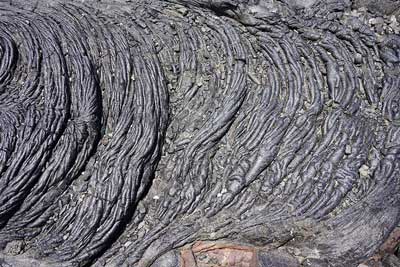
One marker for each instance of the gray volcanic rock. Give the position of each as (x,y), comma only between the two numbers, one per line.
(386,7)
(197,133)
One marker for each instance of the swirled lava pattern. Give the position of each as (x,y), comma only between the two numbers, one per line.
(195,133)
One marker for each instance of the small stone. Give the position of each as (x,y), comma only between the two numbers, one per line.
(358,59)
(347,150)
(15,247)
(364,171)
(376,21)
(183,11)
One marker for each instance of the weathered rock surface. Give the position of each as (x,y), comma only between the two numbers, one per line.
(386,7)
(197,133)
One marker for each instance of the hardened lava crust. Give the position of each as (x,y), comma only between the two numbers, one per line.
(197,133)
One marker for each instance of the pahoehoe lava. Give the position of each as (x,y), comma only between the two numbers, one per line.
(134,133)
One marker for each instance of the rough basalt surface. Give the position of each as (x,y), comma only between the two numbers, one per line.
(196,133)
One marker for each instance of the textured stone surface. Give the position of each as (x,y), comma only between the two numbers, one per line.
(133,131)
(386,7)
